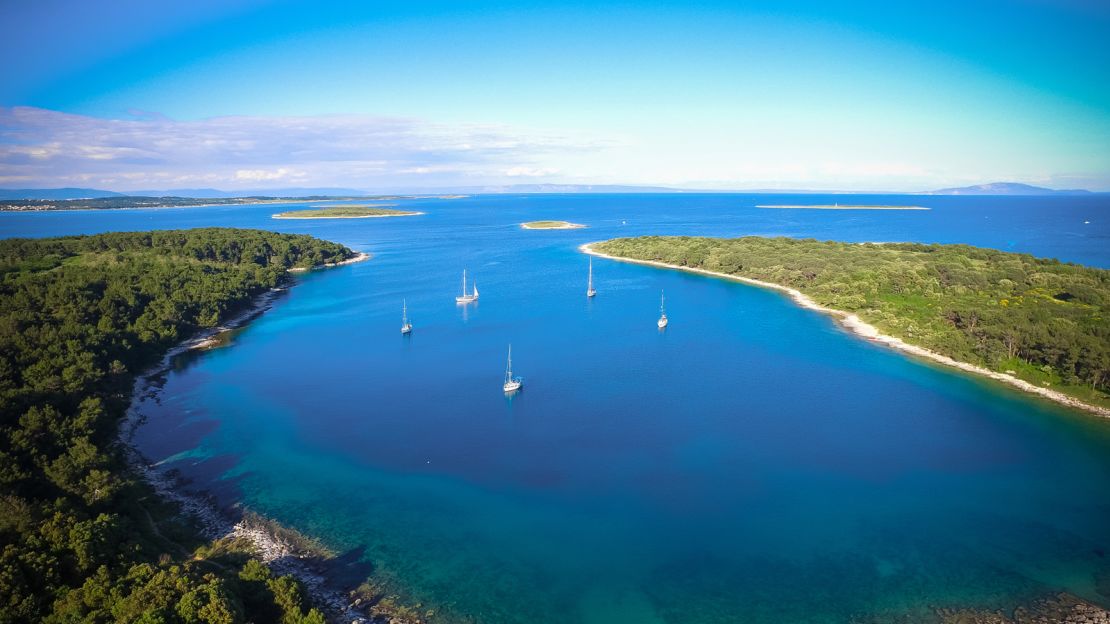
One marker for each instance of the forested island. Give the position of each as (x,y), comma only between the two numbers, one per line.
(84,538)
(551,225)
(1038,320)
(355,211)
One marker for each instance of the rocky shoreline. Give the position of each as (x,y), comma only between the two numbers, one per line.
(268,539)
(280,554)
(858,326)
(1058,609)
(358,258)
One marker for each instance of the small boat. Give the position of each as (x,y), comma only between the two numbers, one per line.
(406,326)
(590,292)
(662,322)
(465,298)
(512,384)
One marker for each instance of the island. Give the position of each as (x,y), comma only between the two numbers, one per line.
(87,535)
(353,211)
(1036,324)
(840,207)
(551,225)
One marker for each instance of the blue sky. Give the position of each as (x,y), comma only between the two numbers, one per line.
(249,94)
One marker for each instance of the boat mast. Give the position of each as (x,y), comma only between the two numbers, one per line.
(404,312)
(662,300)
(509,365)
(464,282)
(590,286)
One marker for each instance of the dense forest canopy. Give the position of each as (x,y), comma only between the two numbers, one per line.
(367,210)
(82,538)
(1041,319)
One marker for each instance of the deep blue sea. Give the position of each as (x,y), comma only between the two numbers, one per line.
(752,463)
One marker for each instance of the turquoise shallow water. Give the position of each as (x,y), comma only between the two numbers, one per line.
(752,463)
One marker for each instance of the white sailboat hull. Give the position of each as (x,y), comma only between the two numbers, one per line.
(662,322)
(512,386)
(406,329)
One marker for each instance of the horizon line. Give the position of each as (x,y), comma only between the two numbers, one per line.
(553,188)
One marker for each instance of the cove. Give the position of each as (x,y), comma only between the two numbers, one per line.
(753,462)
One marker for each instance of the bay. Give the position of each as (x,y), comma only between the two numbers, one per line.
(753,462)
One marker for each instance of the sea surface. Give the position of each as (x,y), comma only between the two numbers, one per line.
(753,462)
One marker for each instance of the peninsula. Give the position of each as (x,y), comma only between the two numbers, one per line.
(1037,324)
(353,211)
(83,317)
(551,225)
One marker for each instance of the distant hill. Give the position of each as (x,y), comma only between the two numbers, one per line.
(540,188)
(1005,188)
(211,193)
(56,193)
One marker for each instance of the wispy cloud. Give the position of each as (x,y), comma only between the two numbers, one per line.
(41,147)
(530,172)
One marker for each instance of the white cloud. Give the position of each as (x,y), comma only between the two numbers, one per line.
(875,170)
(51,148)
(266,175)
(45,148)
(530,172)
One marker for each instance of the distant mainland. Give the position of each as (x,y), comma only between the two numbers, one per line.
(1005,188)
(120,202)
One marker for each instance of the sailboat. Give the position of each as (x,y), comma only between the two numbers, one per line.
(590,292)
(406,326)
(465,298)
(662,322)
(512,384)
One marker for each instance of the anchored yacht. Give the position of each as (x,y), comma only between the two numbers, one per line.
(512,384)
(464,297)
